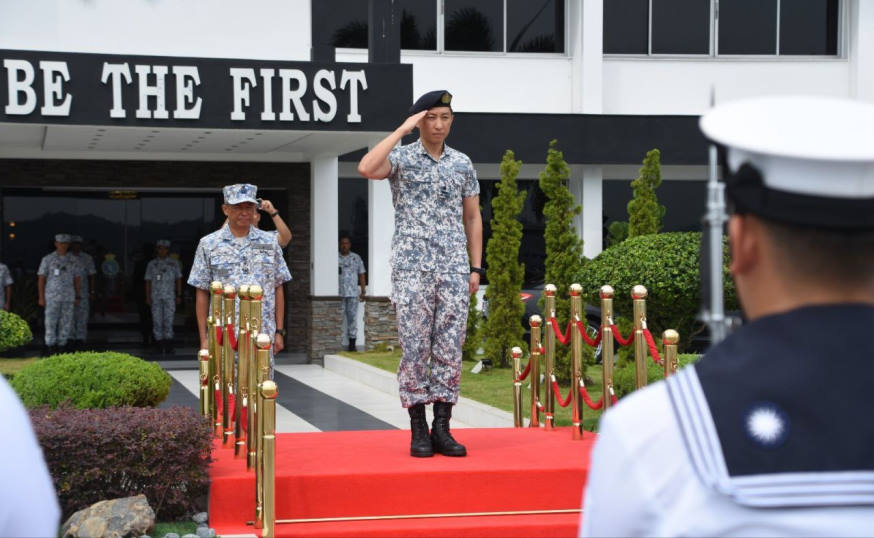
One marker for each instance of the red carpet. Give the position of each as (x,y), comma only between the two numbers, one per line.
(370,473)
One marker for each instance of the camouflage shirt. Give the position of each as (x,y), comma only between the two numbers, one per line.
(59,272)
(253,259)
(350,267)
(5,280)
(427,196)
(163,272)
(86,269)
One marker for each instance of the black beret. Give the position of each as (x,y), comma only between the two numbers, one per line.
(432,99)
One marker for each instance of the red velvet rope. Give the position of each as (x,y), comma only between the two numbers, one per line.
(618,336)
(588,339)
(567,334)
(218,335)
(614,399)
(557,392)
(524,374)
(218,401)
(653,350)
(588,399)
(232,339)
(541,350)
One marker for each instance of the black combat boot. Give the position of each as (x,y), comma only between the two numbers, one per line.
(420,445)
(441,439)
(353,348)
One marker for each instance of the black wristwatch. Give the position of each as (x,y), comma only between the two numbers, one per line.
(274,214)
(478,270)
(281,332)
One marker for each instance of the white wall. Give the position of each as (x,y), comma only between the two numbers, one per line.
(262,29)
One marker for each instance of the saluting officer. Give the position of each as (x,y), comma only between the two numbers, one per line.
(87,274)
(435,258)
(163,292)
(239,253)
(770,433)
(58,286)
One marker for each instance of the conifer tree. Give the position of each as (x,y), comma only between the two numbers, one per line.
(473,337)
(564,250)
(644,212)
(503,328)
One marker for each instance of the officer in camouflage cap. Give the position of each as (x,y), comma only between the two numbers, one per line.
(436,255)
(237,254)
(59,286)
(163,292)
(87,273)
(5,287)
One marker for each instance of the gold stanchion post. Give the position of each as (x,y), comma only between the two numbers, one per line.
(241,382)
(203,362)
(228,361)
(576,292)
(262,342)
(638,298)
(268,395)
(254,374)
(516,353)
(607,344)
(534,372)
(549,364)
(215,351)
(670,338)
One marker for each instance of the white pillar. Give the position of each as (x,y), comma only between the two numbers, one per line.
(586,29)
(586,187)
(861,50)
(381,227)
(324,204)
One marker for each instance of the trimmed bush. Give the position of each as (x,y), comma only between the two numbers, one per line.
(91,379)
(668,265)
(97,454)
(623,375)
(14,331)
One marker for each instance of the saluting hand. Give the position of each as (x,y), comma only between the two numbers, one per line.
(413,121)
(267,206)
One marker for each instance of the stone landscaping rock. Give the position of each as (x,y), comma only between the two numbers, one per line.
(189,536)
(202,532)
(117,518)
(200,517)
(171,535)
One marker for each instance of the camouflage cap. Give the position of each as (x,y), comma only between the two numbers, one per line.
(239,193)
(163,243)
(75,238)
(62,238)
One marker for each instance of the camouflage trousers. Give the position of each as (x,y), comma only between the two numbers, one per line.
(59,322)
(432,321)
(80,320)
(162,318)
(350,315)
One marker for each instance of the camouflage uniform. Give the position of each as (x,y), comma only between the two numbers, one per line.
(5,280)
(60,294)
(350,267)
(162,273)
(430,269)
(82,308)
(254,259)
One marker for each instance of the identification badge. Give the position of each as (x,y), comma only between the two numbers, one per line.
(158,277)
(57,272)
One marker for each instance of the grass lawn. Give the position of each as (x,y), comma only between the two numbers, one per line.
(10,367)
(179,527)
(495,387)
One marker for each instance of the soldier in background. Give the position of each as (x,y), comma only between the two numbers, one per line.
(87,274)
(163,280)
(351,280)
(59,288)
(5,287)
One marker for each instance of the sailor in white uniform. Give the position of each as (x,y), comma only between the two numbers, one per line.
(770,434)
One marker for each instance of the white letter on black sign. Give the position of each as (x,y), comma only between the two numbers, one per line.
(325,95)
(117,72)
(244,78)
(356,79)
(53,89)
(17,87)
(293,96)
(267,82)
(156,91)
(187,77)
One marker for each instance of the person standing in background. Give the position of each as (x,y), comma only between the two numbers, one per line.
(59,288)
(352,287)
(87,274)
(163,280)
(5,287)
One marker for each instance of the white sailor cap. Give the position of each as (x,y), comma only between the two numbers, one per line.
(800,160)
(75,238)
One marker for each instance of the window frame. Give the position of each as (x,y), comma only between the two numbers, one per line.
(713,53)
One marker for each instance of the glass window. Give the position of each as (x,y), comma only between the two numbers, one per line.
(339,23)
(474,25)
(535,26)
(626,27)
(418,25)
(748,27)
(809,27)
(680,27)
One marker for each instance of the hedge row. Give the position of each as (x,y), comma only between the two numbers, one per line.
(14,331)
(97,454)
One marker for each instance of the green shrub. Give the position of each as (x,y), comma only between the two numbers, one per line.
(623,374)
(92,380)
(668,265)
(14,331)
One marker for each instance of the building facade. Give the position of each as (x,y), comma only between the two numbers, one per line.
(120,120)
